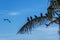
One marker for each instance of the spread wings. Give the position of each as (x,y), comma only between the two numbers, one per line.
(7,20)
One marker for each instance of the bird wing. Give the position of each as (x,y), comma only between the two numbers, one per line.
(29,25)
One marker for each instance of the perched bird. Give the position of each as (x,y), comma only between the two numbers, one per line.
(31,17)
(46,14)
(35,16)
(28,19)
(7,20)
(41,15)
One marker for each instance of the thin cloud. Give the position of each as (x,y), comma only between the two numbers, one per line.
(14,13)
(19,12)
(22,11)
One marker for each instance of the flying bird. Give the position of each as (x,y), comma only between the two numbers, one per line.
(7,20)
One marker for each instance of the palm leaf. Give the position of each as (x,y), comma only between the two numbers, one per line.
(54,21)
(30,24)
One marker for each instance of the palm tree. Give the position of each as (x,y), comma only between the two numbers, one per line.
(53,9)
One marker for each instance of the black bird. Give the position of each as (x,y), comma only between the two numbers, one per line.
(41,15)
(46,14)
(7,20)
(35,16)
(31,17)
(28,19)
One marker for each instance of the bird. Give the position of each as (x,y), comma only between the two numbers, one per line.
(31,17)
(28,19)
(7,20)
(35,16)
(41,15)
(46,14)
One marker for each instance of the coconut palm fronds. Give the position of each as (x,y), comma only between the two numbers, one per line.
(30,24)
(54,21)
(52,9)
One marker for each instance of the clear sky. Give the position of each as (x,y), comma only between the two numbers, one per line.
(17,11)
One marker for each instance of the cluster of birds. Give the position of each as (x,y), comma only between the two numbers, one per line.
(51,11)
(28,19)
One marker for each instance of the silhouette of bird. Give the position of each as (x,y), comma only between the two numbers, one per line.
(7,20)
(28,19)
(35,16)
(46,14)
(31,17)
(41,15)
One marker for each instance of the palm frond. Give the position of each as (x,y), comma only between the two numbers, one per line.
(30,24)
(54,21)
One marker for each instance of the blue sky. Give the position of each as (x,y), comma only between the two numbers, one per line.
(17,11)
